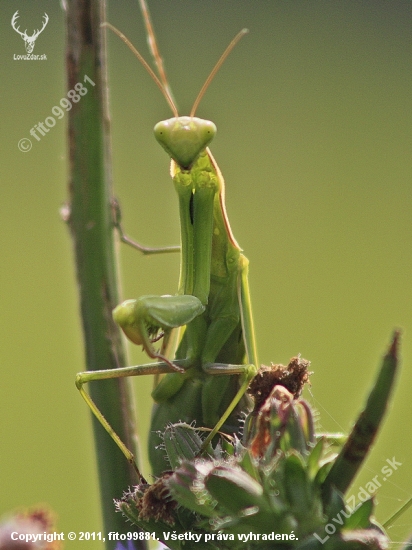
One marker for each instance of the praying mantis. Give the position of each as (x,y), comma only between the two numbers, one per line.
(216,357)
(215,360)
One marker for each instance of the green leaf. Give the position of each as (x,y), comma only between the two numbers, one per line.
(360,518)
(313,460)
(235,490)
(349,460)
(182,442)
(182,487)
(249,466)
(296,484)
(336,508)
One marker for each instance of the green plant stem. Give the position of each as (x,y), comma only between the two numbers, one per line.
(91,225)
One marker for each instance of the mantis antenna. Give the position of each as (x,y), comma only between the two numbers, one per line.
(162,82)
(152,43)
(145,65)
(216,68)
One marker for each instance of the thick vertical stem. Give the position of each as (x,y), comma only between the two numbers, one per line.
(91,225)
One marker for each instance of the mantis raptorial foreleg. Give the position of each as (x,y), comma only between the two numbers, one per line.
(206,378)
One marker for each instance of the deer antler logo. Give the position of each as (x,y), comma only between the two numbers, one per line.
(29,40)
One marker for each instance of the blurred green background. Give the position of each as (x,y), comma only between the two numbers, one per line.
(314,118)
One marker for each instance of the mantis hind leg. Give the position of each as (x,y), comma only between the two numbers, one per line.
(83,378)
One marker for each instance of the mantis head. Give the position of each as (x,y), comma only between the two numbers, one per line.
(183,138)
